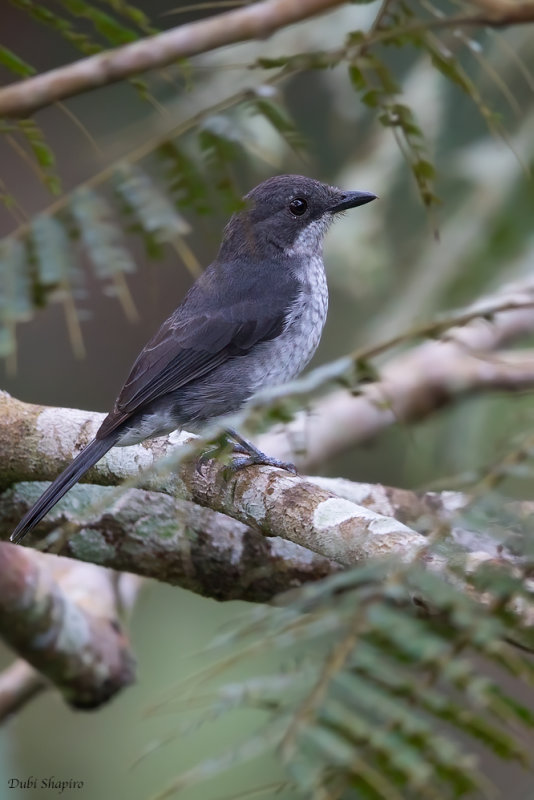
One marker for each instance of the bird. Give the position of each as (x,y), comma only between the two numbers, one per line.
(253,319)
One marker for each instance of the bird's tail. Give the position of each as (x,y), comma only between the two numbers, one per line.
(84,461)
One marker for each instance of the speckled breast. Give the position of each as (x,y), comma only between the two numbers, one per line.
(283,358)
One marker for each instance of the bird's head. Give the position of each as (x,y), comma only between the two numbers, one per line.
(287,214)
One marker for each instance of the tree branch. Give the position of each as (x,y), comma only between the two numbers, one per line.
(208,553)
(61,617)
(36,441)
(255,21)
(504,12)
(171,540)
(280,504)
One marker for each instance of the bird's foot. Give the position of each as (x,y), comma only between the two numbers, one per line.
(250,456)
(263,460)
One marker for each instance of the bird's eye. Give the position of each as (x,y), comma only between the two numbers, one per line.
(298,206)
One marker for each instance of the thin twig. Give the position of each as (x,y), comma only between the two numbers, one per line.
(256,21)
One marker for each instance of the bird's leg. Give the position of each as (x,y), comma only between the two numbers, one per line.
(251,455)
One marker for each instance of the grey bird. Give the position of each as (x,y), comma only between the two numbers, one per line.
(253,319)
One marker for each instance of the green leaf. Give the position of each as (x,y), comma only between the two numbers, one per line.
(116,33)
(135,15)
(187,184)
(357,77)
(222,146)
(15,64)
(62,26)
(154,215)
(280,120)
(42,152)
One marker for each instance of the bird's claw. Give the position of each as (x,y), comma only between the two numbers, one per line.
(247,456)
(261,460)
(237,447)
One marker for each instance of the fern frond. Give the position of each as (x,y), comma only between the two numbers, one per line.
(133,14)
(221,147)
(44,161)
(280,120)
(379,90)
(152,210)
(104,24)
(368,694)
(52,252)
(61,25)
(102,237)
(15,64)
(183,175)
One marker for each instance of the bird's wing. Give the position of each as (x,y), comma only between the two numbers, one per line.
(199,337)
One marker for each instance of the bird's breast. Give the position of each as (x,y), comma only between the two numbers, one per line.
(284,357)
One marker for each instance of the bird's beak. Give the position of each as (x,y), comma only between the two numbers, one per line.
(351,200)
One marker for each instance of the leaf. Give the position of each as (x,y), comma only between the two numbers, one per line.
(151,208)
(15,64)
(135,15)
(104,24)
(357,77)
(42,153)
(15,284)
(187,184)
(212,767)
(280,120)
(379,90)
(52,251)
(373,719)
(102,237)
(62,26)
(222,146)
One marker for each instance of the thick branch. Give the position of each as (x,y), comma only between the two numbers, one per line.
(35,442)
(208,553)
(256,21)
(174,541)
(280,504)
(504,12)
(68,632)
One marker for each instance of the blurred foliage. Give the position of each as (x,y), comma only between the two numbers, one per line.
(369,697)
